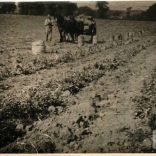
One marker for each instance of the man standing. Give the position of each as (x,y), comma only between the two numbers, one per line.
(92,28)
(48,27)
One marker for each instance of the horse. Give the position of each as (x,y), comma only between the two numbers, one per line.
(60,24)
(73,28)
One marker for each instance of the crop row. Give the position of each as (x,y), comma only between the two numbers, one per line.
(40,97)
(26,63)
(145,113)
(25,104)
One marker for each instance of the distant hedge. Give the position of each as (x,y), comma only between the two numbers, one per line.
(7,7)
(43,8)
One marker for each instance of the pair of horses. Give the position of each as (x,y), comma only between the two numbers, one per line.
(72,28)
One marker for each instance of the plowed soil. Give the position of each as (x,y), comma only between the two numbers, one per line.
(93,98)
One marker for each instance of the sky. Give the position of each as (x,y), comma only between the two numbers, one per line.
(113,4)
(121,5)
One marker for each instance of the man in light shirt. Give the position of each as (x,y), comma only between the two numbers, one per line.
(48,28)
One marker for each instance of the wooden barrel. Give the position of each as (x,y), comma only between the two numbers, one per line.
(38,47)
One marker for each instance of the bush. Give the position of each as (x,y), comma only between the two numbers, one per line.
(7,7)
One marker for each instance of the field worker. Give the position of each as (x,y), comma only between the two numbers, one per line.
(48,27)
(92,28)
(92,21)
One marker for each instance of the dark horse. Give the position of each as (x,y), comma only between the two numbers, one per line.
(73,28)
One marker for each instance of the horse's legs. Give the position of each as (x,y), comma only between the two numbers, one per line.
(67,36)
(61,36)
(64,35)
(72,36)
(76,36)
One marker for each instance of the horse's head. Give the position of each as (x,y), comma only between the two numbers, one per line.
(59,19)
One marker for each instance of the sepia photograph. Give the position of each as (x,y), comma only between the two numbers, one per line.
(77,77)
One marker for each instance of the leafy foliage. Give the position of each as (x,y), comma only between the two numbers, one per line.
(86,10)
(102,9)
(7,7)
(43,8)
(151,12)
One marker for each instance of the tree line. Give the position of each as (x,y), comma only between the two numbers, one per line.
(44,8)
(69,8)
(52,8)
(7,7)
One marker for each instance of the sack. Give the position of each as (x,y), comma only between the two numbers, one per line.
(94,39)
(80,40)
(86,27)
(38,47)
(87,22)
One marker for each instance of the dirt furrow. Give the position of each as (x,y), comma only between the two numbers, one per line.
(57,71)
(91,113)
(93,98)
(117,112)
(25,63)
